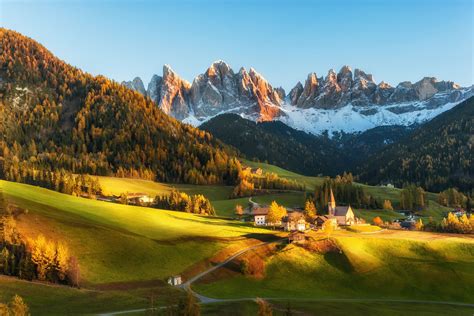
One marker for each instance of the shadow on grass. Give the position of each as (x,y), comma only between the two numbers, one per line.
(339,261)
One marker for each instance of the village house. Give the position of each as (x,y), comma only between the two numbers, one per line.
(260,215)
(139,198)
(297,237)
(294,221)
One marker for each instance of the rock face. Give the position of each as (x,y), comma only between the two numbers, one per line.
(136,84)
(321,103)
(217,90)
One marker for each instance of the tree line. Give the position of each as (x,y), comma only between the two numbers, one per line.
(250,184)
(180,201)
(345,192)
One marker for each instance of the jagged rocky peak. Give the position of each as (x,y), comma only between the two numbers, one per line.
(219,89)
(295,93)
(214,91)
(344,78)
(281,93)
(136,84)
(174,94)
(154,88)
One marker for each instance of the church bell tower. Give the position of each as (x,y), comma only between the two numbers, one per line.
(332,205)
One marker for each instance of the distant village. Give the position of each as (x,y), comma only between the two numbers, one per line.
(296,219)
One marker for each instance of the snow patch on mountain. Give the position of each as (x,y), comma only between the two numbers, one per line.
(351,119)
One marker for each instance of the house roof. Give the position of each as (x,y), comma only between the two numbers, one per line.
(135,195)
(293,217)
(341,210)
(260,211)
(322,218)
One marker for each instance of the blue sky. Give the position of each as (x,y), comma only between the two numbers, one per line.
(283,40)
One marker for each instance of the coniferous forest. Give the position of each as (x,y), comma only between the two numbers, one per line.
(79,123)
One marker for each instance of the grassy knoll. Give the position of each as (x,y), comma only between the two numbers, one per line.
(310,182)
(392,265)
(116,186)
(363,228)
(120,243)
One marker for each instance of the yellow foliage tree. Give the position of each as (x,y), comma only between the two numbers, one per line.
(378,221)
(42,254)
(239,210)
(419,225)
(387,205)
(275,213)
(328,227)
(18,307)
(310,210)
(62,259)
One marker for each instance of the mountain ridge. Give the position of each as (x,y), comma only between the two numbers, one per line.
(344,101)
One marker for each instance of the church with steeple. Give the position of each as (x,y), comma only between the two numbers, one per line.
(344,215)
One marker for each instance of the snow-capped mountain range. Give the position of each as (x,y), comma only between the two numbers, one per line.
(345,101)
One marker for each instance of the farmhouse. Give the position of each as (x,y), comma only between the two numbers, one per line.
(139,198)
(260,215)
(294,221)
(342,214)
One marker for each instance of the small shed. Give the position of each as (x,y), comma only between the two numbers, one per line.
(174,280)
(297,237)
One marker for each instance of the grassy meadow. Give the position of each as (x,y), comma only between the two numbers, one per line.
(156,243)
(390,265)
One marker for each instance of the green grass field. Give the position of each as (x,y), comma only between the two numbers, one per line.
(391,265)
(126,253)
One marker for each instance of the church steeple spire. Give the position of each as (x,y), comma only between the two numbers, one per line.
(332,204)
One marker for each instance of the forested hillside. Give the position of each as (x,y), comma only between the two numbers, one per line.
(298,151)
(54,117)
(277,144)
(437,155)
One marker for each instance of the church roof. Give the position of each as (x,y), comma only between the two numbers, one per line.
(341,210)
(333,200)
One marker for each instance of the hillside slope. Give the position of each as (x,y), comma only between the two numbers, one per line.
(135,244)
(437,155)
(85,124)
(277,143)
(281,145)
